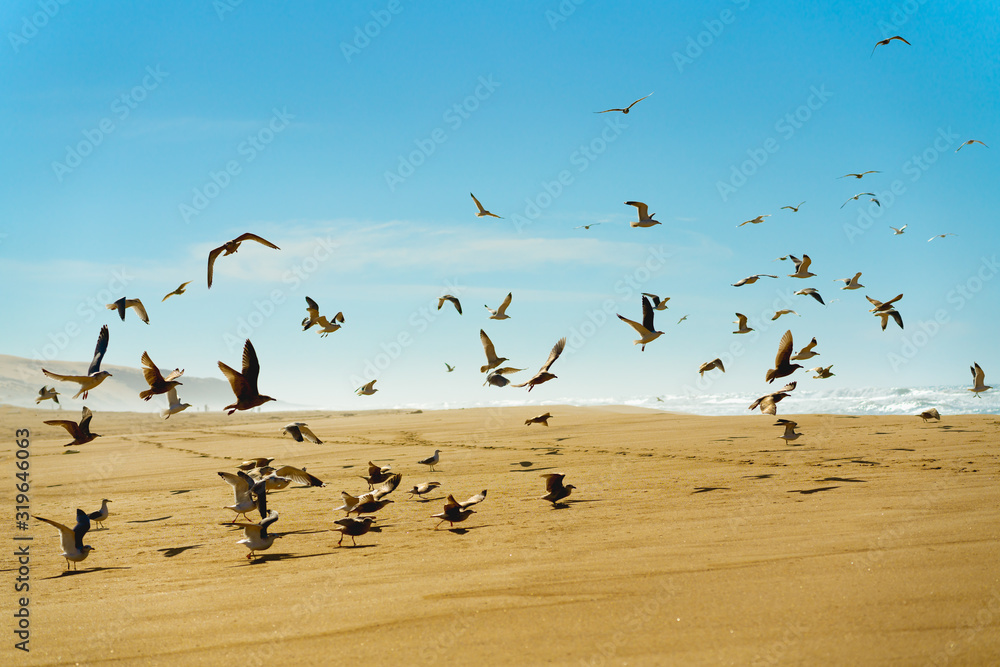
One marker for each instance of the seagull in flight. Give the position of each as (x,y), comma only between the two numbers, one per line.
(230,247)
(135,304)
(626,109)
(789,433)
(451,299)
(742,322)
(768,402)
(897,231)
(754,221)
(870,171)
(940,236)
(862,194)
(709,365)
(543,374)
(978,379)
(555,489)
(810,291)
(501,312)
(453,512)
(886,41)
(74,550)
(366,389)
(645,218)
(492,360)
(299,432)
(969,143)
(174,404)
(45,394)
(157,383)
(658,304)
(482,212)
(781,365)
(794,209)
(180,290)
(647,333)
(806,352)
(244,384)
(801,267)
(850,283)
(80,431)
(750,280)
(784,311)
(95,375)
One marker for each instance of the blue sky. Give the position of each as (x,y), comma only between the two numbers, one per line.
(137,138)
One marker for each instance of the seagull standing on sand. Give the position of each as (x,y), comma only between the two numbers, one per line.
(431,460)
(482,212)
(768,403)
(256,536)
(781,365)
(95,375)
(626,109)
(230,247)
(243,500)
(101,515)
(157,383)
(74,550)
(80,431)
(180,290)
(174,404)
(742,322)
(244,384)
(978,380)
(555,490)
(645,218)
(135,304)
(501,312)
(299,432)
(647,333)
(366,389)
(543,374)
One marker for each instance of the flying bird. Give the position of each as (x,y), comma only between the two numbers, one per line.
(880,306)
(930,413)
(353,526)
(555,489)
(452,299)
(243,499)
(174,404)
(74,550)
(256,536)
(79,430)
(540,419)
(801,267)
(809,291)
(742,322)
(784,311)
(299,432)
(482,212)
(244,384)
(327,327)
(230,247)
(180,290)
(806,352)
(95,375)
(754,221)
(750,280)
(45,394)
(886,41)
(135,304)
(850,283)
(448,367)
(453,513)
(101,515)
(870,171)
(886,314)
(157,383)
(781,365)
(794,209)
(969,143)
(658,304)
(366,389)
(312,314)
(492,360)
(709,365)
(377,474)
(682,319)
(822,373)
(647,333)
(940,236)
(626,109)
(789,433)
(978,380)
(543,374)
(897,231)
(422,489)
(768,403)
(862,194)
(645,218)
(501,312)
(497,378)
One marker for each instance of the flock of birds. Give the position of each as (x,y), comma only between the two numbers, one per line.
(251,483)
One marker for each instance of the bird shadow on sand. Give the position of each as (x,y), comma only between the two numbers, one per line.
(706,489)
(462,531)
(356,546)
(841,479)
(170,552)
(534,469)
(73,573)
(523,464)
(816,490)
(256,560)
(426,500)
(180,491)
(162,518)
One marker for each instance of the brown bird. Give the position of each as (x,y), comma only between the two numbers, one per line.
(794,209)
(157,383)
(230,247)
(245,384)
(95,375)
(452,299)
(180,290)
(353,526)
(710,365)
(135,304)
(880,306)
(626,109)
(80,431)
(768,403)
(540,419)
(863,194)
(492,360)
(886,314)
(555,489)
(482,212)
(870,171)
(543,374)
(969,143)
(781,365)
(377,474)
(453,513)
(312,314)
(750,280)
(930,413)
(886,41)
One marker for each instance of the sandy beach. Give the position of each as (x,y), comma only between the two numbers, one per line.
(689,540)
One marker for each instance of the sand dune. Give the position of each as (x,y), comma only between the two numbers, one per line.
(690,540)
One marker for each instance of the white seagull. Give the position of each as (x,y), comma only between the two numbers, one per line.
(174,404)
(101,515)
(978,379)
(255,535)
(850,283)
(95,375)
(501,312)
(645,218)
(431,460)
(74,550)
(299,431)
(647,332)
(742,322)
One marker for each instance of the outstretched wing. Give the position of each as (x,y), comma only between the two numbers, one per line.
(298,475)
(784,350)
(557,349)
(211,262)
(253,237)
(99,350)
(251,367)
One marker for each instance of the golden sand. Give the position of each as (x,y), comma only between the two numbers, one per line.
(691,540)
